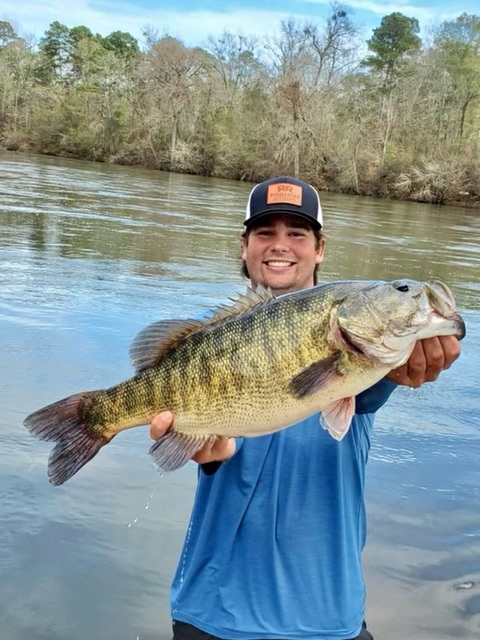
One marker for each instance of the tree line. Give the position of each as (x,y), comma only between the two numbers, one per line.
(394,116)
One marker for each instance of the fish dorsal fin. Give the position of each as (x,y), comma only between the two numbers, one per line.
(155,340)
(151,344)
(252,299)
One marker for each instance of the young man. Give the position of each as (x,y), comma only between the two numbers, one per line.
(274,545)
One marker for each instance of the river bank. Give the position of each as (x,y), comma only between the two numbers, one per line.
(426,183)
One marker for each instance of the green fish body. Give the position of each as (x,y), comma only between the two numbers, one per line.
(252,368)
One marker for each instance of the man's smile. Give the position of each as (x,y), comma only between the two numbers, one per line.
(279,263)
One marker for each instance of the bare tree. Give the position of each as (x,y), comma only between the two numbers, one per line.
(172,71)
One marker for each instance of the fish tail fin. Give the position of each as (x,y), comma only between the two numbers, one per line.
(65,423)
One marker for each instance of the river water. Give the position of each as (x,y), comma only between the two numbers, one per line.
(90,254)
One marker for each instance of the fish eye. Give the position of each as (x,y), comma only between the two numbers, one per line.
(402,287)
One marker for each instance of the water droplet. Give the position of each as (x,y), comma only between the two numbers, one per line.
(468,584)
(146,506)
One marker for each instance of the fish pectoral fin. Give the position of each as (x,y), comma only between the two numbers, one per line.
(174,449)
(317,376)
(337,417)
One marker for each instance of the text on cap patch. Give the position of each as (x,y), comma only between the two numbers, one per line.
(282,192)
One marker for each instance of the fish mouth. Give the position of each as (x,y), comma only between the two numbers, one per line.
(462,329)
(443,304)
(441,298)
(453,322)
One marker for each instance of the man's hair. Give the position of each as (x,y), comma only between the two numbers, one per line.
(318,237)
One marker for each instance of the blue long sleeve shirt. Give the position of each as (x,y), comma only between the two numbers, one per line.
(273,548)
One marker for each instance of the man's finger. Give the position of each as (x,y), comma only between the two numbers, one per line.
(451,349)
(161,424)
(434,358)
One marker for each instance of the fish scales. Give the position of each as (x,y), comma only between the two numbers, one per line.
(251,366)
(254,368)
(227,370)
(128,401)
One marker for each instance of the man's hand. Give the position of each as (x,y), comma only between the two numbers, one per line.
(221,449)
(428,359)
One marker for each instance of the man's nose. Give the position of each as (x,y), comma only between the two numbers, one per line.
(280,243)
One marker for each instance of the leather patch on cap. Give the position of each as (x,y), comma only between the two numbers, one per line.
(284,193)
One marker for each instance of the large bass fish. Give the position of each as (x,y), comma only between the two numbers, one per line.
(252,368)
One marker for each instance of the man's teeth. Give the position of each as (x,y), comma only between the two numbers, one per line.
(278,263)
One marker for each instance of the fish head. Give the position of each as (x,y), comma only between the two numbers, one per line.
(383,320)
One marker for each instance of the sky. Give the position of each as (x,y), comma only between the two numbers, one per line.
(192,21)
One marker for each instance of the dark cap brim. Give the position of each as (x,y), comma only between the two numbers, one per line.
(263,214)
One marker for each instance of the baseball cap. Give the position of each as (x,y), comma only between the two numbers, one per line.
(284,194)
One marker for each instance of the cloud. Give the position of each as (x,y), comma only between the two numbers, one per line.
(193,27)
(385,8)
(427,12)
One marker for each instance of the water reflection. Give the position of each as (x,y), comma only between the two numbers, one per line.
(90,255)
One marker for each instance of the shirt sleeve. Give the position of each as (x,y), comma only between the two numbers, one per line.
(375,397)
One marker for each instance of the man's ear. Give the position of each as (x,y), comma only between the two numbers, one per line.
(320,251)
(244,243)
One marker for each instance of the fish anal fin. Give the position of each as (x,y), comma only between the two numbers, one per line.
(317,376)
(174,449)
(337,417)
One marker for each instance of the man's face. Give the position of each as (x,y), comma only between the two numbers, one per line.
(282,253)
